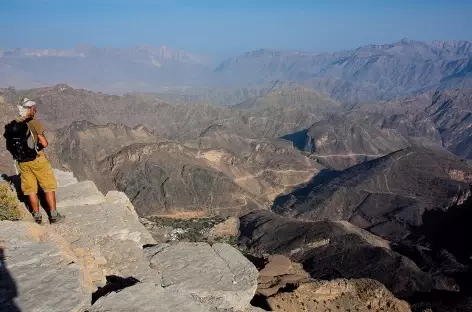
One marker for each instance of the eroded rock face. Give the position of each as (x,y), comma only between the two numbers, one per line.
(329,249)
(39,271)
(362,295)
(342,141)
(373,130)
(163,179)
(219,173)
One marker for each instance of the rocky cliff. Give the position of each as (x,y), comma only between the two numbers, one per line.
(101,258)
(102,248)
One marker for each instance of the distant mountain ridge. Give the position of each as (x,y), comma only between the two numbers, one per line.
(104,69)
(367,73)
(370,72)
(138,53)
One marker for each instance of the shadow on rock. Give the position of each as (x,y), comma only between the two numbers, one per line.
(114,284)
(260,301)
(299,139)
(8,289)
(443,245)
(303,191)
(451,230)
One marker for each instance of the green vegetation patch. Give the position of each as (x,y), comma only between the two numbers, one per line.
(8,204)
(195,229)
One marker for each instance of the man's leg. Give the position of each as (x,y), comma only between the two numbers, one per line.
(34,202)
(29,187)
(48,183)
(51,200)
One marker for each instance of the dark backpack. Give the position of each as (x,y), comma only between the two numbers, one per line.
(20,140)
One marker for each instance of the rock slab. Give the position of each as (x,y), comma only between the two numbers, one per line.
(78,194)
(148,297)
(39,272)
(218,275)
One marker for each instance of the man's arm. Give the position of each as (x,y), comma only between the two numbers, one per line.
(38,128)
(42,140)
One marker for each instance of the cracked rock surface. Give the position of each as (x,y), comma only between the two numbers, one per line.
(39,271)
(218,274)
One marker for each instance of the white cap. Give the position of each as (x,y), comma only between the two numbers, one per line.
(28,103)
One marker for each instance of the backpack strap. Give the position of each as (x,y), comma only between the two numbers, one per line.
(31,134)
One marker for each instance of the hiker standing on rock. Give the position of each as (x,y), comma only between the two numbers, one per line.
(26,141)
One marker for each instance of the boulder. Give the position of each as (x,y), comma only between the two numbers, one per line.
(39,271)
(217,275)
(278,273)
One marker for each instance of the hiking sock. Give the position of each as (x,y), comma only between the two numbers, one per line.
(56,217)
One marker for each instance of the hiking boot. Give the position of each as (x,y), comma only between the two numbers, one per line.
(38,218)
(57,218)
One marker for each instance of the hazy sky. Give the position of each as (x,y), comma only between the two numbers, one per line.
(223,28)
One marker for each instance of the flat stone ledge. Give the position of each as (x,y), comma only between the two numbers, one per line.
(79,194)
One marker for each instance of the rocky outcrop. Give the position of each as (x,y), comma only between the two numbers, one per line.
(330,250)
(284,286)
(278,273)
(386,196)
(102,248)
(361,295)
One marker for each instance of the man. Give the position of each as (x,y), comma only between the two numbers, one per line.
(39,170)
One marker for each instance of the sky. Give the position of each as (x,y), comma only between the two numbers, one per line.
(223,28)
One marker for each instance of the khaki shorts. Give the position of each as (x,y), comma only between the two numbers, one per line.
(38,171)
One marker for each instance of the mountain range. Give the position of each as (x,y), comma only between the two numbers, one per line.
(368,73)
(355,164)
(372,130)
